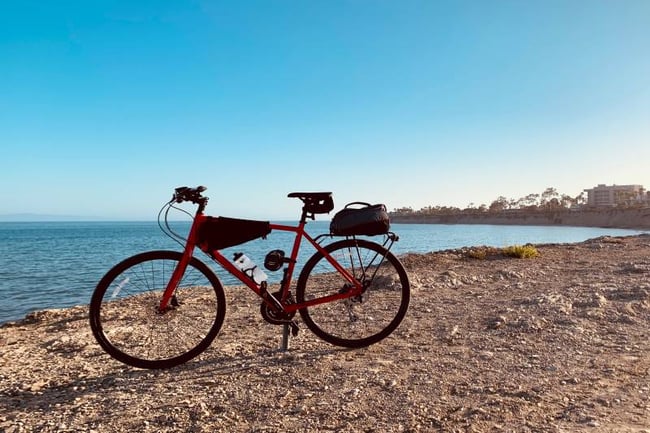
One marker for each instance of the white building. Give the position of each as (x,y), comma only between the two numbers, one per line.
(616,195)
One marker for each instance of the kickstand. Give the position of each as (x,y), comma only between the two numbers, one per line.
(285,334)
(285,338)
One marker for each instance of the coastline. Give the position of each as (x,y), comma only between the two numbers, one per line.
(636,219)
(556,343)
(66,279)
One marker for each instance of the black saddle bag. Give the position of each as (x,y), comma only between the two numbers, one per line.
(369,220)
(217,233)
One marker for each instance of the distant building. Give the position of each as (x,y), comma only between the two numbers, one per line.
(616,195)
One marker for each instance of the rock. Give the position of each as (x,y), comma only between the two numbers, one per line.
(567,350)
(497,322)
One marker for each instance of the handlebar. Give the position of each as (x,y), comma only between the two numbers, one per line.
(185,193)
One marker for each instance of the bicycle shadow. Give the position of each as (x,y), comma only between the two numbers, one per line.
(92,375)
(265,358)
(200,372)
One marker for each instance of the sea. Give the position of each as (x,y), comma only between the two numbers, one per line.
(45,265)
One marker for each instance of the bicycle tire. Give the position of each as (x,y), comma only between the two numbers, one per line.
(125,317)
(359,321)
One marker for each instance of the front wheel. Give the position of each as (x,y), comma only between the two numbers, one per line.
(360,320)
(125,317)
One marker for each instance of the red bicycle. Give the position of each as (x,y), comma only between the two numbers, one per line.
(159,309)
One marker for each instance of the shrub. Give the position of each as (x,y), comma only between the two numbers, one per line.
(520,251)
(477,253)
(482,253)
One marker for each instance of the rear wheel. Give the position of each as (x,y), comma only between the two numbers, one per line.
(125,317)
(360,320)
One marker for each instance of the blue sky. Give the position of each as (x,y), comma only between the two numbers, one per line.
(106,106)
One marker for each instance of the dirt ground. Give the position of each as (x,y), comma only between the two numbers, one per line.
(557,343)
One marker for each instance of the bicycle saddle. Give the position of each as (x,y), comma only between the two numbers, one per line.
(315,202)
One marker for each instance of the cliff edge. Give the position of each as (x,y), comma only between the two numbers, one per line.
(609,218)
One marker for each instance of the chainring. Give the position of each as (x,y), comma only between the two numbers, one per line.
(277,318)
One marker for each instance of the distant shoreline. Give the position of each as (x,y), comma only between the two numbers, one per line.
(636,219)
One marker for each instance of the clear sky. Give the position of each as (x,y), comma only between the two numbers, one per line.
(106,106)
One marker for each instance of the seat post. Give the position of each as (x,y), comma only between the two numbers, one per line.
(313,203)
(305,215)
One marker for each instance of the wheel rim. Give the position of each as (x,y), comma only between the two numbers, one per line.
(133,330)
(359,320)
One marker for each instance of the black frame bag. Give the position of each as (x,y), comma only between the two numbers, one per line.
(217,233)
(369,220)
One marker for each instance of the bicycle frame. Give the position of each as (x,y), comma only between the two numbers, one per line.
(260,289)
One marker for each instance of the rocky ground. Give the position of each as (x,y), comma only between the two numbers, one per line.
(557,343)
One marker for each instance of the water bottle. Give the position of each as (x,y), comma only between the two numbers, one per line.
(247,266)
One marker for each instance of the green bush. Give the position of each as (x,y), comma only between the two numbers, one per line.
(520,251)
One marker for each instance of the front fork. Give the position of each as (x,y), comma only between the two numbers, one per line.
(168,300)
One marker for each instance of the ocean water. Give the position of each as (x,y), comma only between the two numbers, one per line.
(57,264)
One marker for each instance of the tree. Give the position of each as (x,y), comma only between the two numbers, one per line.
(548,200)
(519,204)
(499,205)
(403,210)
(547,196)
(531,200)
(567,201)
(553,204)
